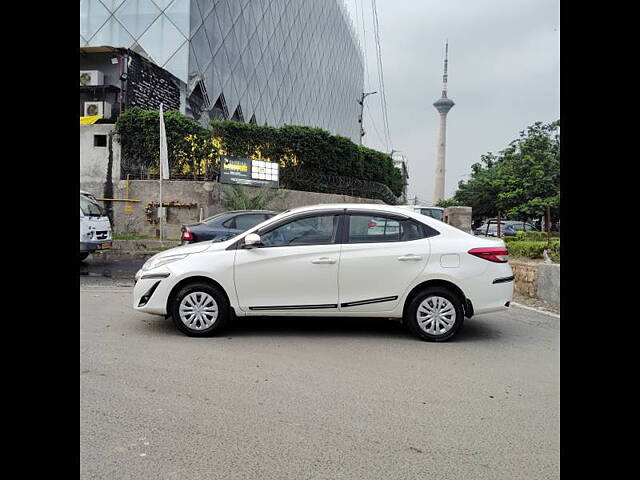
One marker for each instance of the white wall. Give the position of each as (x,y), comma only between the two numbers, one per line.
(94,161)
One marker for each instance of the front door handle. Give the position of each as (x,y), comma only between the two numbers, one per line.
(410,258)
(322,260)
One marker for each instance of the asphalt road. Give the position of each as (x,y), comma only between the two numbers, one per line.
(296,398)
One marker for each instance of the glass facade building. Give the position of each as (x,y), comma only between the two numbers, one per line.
(273,62)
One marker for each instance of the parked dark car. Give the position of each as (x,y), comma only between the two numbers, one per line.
(507,227)
(224,225)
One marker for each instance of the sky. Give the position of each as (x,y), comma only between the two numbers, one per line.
(504,74)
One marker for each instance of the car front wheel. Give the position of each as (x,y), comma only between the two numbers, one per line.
(435,314)
(199,310)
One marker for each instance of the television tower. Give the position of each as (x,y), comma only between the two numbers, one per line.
(443,105)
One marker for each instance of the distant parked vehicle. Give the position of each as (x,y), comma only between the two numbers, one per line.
(507,227)
(223,225)
(433,212)
(95,227)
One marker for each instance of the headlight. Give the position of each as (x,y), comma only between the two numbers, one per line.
(158,262)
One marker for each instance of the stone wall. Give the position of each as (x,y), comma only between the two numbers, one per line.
(190,197)
(526,278)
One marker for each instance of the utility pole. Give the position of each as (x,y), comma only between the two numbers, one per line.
(361,103)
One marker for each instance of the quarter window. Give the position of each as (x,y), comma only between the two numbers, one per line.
(316,230)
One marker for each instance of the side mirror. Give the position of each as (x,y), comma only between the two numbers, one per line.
(252,240)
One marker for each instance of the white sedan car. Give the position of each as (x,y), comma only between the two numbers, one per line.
(352,260)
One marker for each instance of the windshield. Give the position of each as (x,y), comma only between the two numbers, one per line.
(90,208)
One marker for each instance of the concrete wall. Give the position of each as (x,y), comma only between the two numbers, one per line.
(549,283)
(459,217)
(133,218)
(98,165)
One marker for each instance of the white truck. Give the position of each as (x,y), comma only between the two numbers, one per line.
(95,227)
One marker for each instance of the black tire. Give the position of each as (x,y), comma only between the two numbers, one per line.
(411,320)
(218,296)
(83,256)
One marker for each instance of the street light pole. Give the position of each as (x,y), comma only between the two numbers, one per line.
(361,103)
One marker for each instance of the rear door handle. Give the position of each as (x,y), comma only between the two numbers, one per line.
(409,258)
(322,260)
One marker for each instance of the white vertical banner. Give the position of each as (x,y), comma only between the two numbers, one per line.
(164,154)
(164,168)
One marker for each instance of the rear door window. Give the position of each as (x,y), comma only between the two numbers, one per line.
(376,229)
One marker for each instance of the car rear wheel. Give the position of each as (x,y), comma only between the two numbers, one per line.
(435,314)
(199,310)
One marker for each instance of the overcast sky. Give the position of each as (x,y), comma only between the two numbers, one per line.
(504,74)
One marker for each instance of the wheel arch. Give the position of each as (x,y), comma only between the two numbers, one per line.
(196,279)
(438,282)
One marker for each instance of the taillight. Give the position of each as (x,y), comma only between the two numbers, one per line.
(493,254)
(372,224)
(187,235)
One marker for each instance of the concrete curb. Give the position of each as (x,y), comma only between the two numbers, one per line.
(526,307)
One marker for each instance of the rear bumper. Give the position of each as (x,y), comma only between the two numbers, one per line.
(495,298)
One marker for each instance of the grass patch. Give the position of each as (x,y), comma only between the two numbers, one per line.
(131,236)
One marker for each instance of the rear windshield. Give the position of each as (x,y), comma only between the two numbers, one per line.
(90,208)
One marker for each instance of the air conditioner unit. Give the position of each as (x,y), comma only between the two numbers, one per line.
(97,108)
(91,77)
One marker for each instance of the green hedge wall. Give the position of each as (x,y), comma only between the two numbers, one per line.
(308,149)
(310,158)
(188,143)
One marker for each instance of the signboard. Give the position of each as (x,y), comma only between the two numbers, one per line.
(245,171)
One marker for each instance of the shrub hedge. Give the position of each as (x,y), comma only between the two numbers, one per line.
(533,249)
(534,236)
(307,149)
(189,145)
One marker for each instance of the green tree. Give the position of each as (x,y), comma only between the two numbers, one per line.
(449,202)
(531,172)
(521,181)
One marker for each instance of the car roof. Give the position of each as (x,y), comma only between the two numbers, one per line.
(379,207)
(249,211)
(359,206)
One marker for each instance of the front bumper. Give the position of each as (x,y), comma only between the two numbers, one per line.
(96,245)
(151,291)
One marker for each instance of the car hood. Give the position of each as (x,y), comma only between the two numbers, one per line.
(192,248)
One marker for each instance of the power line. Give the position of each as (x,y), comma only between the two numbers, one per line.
(374,127)
(383,95)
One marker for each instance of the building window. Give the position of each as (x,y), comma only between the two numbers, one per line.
(99,140)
